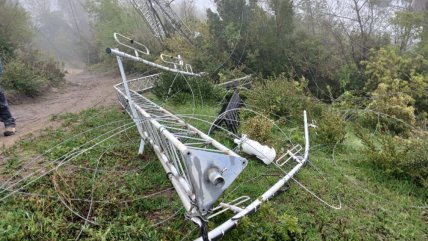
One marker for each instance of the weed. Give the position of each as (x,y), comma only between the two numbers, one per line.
(267,224)
(375,205)
(403,158)
(180,89)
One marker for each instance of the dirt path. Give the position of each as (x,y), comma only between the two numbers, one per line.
(82,90)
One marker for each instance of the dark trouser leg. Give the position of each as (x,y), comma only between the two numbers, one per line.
(5,115)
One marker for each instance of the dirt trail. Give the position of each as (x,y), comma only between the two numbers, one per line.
(82,90)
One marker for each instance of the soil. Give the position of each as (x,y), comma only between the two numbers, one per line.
(81,91)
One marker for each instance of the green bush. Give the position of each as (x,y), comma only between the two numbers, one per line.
(179,89)
(258,128)
(45,67)
(397,84)
(31,74)
(50,70)
(280,97)
(396,114)
(17,76)
(400,157)
(331,128)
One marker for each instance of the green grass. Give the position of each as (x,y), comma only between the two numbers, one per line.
(374,205)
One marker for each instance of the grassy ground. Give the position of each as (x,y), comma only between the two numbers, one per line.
(128,197)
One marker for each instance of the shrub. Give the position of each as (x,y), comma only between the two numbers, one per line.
(331,128)
(31,74)
(43,67)
(50,70)
(387,99)
(179,89)
(280,97)
(400,157)
(397,84)
(258,128)
(19,77)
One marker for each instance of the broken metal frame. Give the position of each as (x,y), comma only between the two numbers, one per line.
(220,230)
(229,113)
(180,68)
(199,170)
(199,167)
(154,11)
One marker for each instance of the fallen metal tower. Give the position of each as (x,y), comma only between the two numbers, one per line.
(161,19)
(199,167)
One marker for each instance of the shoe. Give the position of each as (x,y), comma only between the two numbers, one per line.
(9,131)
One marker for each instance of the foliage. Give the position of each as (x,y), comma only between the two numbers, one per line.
(267,224)
(15,28)
(330,128)
(6,48)
(31,74)
(25,69)
(393,108)
(386,65)
(411,24)
(17,76)
(44,66)
(279,97)
(258,128)
(397,85)
(400,157)
(180,89)
(110,16)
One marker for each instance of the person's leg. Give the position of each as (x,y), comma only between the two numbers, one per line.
(6,116)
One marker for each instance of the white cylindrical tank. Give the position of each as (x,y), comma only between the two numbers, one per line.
(263,152)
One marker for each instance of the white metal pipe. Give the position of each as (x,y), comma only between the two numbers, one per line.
(131,41)
(138,59)
(126,87)
(182,187)
(185,199)
(233,208)
(238,79)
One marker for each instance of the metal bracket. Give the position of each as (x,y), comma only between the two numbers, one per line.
(211,174)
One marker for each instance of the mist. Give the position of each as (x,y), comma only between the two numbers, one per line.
(62,29)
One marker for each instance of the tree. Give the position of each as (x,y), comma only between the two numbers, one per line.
(397,84)
(15,28)
(409,24)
